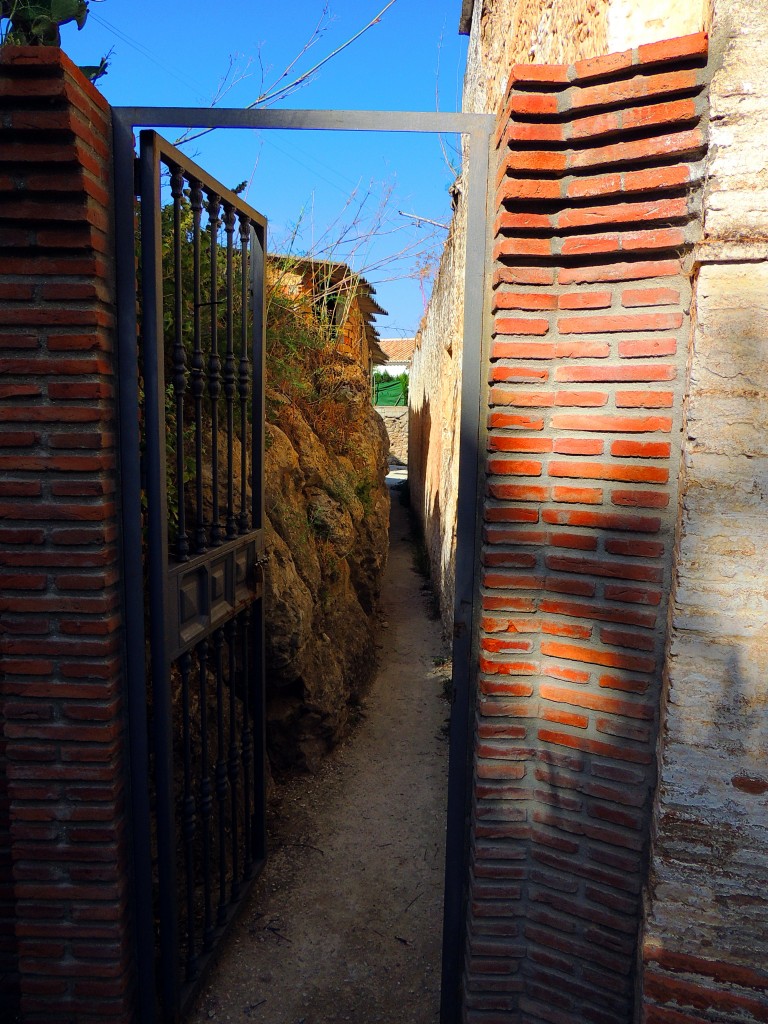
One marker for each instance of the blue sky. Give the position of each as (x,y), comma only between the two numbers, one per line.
(177,54)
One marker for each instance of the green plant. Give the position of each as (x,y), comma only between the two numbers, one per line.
(188,461)
(37,22)
(364,495)
(317,520)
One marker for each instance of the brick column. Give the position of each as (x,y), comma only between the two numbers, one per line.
(598,204)
(64,758)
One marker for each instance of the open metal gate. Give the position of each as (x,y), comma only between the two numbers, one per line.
(205,652)
(201,408)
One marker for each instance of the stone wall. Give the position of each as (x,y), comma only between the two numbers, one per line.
(396,423)
(706,932)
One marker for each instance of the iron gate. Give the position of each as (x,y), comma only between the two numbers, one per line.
(478,129)
(201,370)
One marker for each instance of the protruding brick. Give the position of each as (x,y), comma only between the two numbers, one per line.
(668,50)
(622,213)
(638,88)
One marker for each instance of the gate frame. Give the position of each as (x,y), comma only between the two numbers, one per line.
(478,128)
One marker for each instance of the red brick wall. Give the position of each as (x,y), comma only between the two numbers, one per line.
(597,206)
(63,934)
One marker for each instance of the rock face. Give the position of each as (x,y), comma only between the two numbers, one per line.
(327,518)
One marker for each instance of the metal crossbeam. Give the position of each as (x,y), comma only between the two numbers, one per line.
(478,130)
(480,125)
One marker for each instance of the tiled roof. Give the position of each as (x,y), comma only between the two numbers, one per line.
(399,350)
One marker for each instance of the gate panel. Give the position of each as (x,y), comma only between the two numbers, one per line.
(202,368)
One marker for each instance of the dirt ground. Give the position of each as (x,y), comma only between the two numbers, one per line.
(345,921)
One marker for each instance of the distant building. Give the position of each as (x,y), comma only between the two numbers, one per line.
(341,299)
(399,352)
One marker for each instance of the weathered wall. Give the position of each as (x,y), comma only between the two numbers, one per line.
(504,32)
(706,932)
(631,23)
(396,423)
(434,393)
(66,955)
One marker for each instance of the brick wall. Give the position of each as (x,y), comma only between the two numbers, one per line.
(63,936)
(598,200)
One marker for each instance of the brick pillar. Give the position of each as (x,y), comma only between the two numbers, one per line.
(63,771)
(598,205)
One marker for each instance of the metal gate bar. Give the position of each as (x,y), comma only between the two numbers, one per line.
(197,789)
(203,581)
(478,129)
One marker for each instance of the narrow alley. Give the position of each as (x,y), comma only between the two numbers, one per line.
(345,922)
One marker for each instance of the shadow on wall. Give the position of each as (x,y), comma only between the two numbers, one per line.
(8,945)
(419,435)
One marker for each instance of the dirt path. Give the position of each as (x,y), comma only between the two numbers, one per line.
(345,922)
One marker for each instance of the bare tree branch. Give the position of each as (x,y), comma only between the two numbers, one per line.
(277,92)
(425,220)
(280,93)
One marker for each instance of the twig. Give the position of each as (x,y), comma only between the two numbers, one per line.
(425,220)
(280,93)
(306,846)
(248,1010)
(273,93)
(418,894)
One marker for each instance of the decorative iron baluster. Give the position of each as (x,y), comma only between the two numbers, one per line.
(246,741)
(209,755)
(179,364)
(244,378)
(198,366)
(221,773)
(206,796)
(233,762)
(214,367)
(229,373)
(188,815)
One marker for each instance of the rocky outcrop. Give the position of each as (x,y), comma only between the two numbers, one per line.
(327,517)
